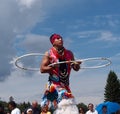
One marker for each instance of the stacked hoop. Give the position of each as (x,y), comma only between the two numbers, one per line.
(101,62)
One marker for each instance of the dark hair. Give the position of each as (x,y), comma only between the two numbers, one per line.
(51,36)
(81,109)
(12,103)
(54,36)
(90,104)
(1,107)
(104,106)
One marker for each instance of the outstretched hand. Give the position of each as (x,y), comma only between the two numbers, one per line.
(76,65)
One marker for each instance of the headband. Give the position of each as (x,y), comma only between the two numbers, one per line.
(29,110)
(53,37)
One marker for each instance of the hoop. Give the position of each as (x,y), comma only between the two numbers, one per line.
(26,55)
(106,60)
(100,59)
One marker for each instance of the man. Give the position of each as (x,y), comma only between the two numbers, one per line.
(91,109)
(58,83)
(13,108)
(34,107)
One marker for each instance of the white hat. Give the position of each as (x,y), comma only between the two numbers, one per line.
(29,109)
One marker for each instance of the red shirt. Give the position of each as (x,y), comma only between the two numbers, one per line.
(61,73)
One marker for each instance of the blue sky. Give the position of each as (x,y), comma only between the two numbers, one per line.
(89,29)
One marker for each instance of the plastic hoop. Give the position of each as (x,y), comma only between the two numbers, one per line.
(108,62)
(26,55)
(85,60)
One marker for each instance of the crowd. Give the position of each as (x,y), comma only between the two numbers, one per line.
(35,109)
(12,108)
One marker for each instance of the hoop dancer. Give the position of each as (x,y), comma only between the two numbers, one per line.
(58,84)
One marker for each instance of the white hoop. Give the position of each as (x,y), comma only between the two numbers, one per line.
(85,60)
(78,60)
(26,55)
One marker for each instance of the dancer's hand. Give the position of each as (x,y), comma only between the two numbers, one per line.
(76,65)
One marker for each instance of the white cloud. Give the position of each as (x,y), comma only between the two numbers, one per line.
(108,36)
(14,22)
(34,43)
(26,3)
(99,35)
(23,85)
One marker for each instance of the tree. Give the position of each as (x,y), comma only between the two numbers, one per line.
(112,88)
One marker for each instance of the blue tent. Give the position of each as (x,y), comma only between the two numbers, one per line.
(112,107)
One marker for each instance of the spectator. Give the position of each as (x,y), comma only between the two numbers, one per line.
(13,108)
(91,109)
(45,110)
(118,112)
(104,109)
(35,108)
(2,111)
(81,110)
(29,111)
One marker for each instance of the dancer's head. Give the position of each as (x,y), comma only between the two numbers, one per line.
(56,40)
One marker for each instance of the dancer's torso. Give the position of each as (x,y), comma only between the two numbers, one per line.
(60,74)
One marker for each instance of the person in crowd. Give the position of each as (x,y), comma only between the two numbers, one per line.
(58,83)
(44,110)
(29,111)
(91,109)
(35,108)
(118,112)
(81,110)
(2,111)
(104,109)
(13,108)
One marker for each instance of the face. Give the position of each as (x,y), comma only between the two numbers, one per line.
(30,112)
(10,107)
(58,42)
(81,110)
(104,109)
(45,108)
(34,104)
(90,106)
